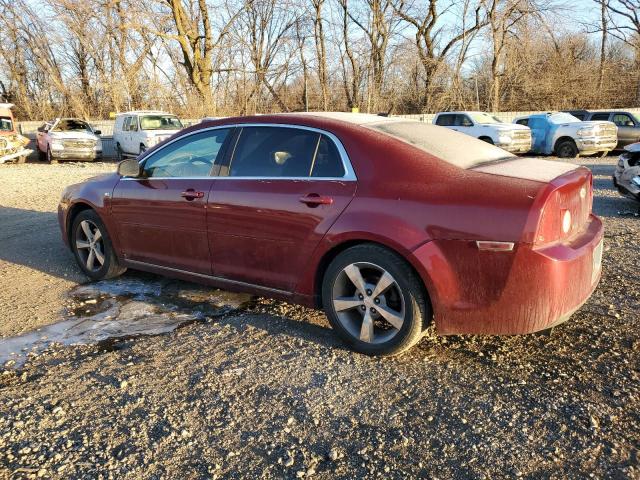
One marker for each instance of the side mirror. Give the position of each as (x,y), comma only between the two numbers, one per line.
(97,132)
(129,168)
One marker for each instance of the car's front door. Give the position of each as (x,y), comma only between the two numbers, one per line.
(628,129)
(275,198)
(160,216)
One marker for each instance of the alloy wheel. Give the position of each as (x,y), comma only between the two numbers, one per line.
(90,245)
(368,302)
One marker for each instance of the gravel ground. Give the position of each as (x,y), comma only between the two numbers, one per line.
(259,388)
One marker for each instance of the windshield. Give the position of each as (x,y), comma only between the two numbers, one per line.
(455,148)
(73,125)
(6,125)
(482,118)
(160,122)
(562,117)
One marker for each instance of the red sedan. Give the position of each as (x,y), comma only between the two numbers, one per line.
(388,224)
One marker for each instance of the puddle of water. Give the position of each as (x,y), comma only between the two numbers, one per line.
(124,307)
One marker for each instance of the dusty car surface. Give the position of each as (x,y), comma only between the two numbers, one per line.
(511,137)
(566,136)
(626,177)
(68,139)
(388,224)
(12,144)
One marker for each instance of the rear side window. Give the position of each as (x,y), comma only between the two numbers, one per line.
(190,156)
(274,152)
(600,116)
(446,120)
(327,162)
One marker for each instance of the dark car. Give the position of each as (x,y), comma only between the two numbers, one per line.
(628,125)
(388,224)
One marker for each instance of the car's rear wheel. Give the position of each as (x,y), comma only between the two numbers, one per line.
(119,155)
(566,149)
(92,247)
(374,300)
(487,139)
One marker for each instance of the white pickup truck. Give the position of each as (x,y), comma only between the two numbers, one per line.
(510,137)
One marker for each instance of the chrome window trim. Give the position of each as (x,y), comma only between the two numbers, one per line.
(349,176)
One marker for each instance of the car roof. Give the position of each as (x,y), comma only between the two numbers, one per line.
(143,112)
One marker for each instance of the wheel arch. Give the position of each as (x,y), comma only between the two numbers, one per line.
(74,211)
(563,139)
(335,250)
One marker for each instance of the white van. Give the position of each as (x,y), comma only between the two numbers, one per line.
(135,132)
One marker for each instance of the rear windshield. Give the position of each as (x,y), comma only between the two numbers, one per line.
(6,125)
(160,122)
(453,147)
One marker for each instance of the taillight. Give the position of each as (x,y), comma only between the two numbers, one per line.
(565,212)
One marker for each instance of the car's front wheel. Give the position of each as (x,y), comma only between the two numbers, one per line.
(50,158)
(566,149)
(374,300)
(92,247)
(119,153)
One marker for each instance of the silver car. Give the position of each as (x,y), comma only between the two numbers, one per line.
(626,177)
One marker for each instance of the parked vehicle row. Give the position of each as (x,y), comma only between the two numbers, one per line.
(12,144)
(563,135)
(481,125)
(308,208)
(552,133)
(628,124)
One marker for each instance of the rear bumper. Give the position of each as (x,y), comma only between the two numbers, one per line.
(508,293)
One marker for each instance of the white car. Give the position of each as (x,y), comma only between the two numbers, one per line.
(135,132)
(68,139)
(510,137)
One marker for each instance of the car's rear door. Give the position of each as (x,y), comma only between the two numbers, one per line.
(161,216)
(277,194)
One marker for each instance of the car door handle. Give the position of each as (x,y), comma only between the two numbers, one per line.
(313,200)
(191,194)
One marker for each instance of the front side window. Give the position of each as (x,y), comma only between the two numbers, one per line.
(125,124)
(190,156)
(523,121)
(6,125)
(274,152)
(463,121)
(623,120)
(160,122)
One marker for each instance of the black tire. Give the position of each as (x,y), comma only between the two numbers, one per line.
(110,267)
(407,285)
(566,149)
(487,139)
(50,158)
(142,148)
(119,155)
